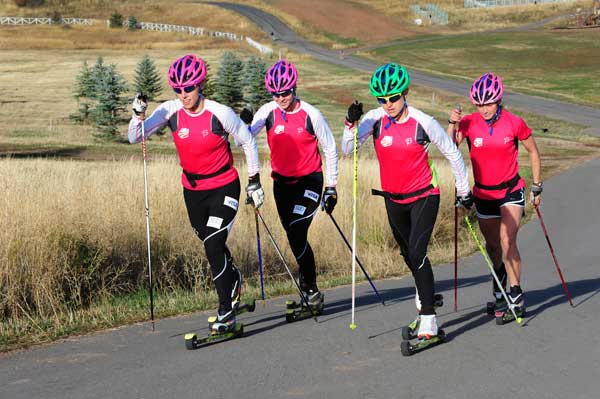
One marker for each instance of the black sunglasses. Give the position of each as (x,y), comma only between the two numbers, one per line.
(187,89)
(392,99)
(283,93)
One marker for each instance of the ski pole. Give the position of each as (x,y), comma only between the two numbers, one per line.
(537,209)
(287,268)
(147,225)
(354,196)
(459,108)
(491,266)
(260,265)
(357,260)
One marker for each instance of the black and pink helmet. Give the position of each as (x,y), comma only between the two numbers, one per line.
(188,70)
(281,76)
(487,89)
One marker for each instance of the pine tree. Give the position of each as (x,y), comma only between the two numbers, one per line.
(209,86)
(109,87)
(147,79)
(132,23)
(83,93)
(254,83)
(228,87)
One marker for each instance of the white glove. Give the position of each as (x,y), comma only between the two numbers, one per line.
(140,104)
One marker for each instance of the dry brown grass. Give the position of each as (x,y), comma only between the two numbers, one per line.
(73,232)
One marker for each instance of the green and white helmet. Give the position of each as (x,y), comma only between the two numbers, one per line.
(389,79)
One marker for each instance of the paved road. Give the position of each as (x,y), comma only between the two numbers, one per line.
(583,115)
(555,355)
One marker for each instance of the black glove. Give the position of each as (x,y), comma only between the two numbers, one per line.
(466,201)
(536,191)
(246,116)
(355,111)
(329,199)
(254,191)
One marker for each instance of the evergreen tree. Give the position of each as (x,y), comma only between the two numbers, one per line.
(254,83)
(132,23)
(108,90)
(147,79)
(83,92)
(228,87)
(209,86)
(116,20)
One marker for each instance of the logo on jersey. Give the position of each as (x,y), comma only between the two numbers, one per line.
(231,202)
(204,133)
(299,209)
(478,142)
(506,140)
(312,195)
(183,133)
(279,129)
(386,141)
(409,141)
(300,130)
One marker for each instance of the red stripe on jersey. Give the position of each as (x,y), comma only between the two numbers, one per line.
(494,156)
(294,151)
(201,151)
(403,163)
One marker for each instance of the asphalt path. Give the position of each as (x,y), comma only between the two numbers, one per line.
(283,35)
(556,354)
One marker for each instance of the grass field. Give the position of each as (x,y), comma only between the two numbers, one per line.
(557,64)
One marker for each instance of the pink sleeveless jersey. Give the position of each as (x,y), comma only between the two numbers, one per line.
(294,149)
(494,156)
(203,149)
(403,162)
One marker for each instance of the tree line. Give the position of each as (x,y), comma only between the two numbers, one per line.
(103,94)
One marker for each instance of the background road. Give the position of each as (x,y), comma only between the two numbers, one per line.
(283,35)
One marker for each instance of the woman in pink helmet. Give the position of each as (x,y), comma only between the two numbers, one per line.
(294,129)
(493,135)
(211,186)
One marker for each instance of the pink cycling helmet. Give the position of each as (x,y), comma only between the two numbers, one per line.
(188,70)
(281,76)
(487,89)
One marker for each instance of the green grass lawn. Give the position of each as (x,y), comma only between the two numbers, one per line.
(560,64)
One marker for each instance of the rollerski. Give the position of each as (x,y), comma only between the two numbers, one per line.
(428,336)
(221,328)
(499,305)
(410,332)
(517,303)
(295,311)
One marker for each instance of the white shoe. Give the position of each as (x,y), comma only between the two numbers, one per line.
(428,327)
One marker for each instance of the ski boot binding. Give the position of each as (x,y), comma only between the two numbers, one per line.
(428,336)
(221,327)
(295,311)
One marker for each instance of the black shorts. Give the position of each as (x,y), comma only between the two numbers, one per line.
(490,209)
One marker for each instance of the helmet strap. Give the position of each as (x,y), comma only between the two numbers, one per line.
(490,122)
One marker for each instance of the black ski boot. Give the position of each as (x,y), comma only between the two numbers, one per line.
(297,310)
(237,305)
(499,303)
(517,303)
